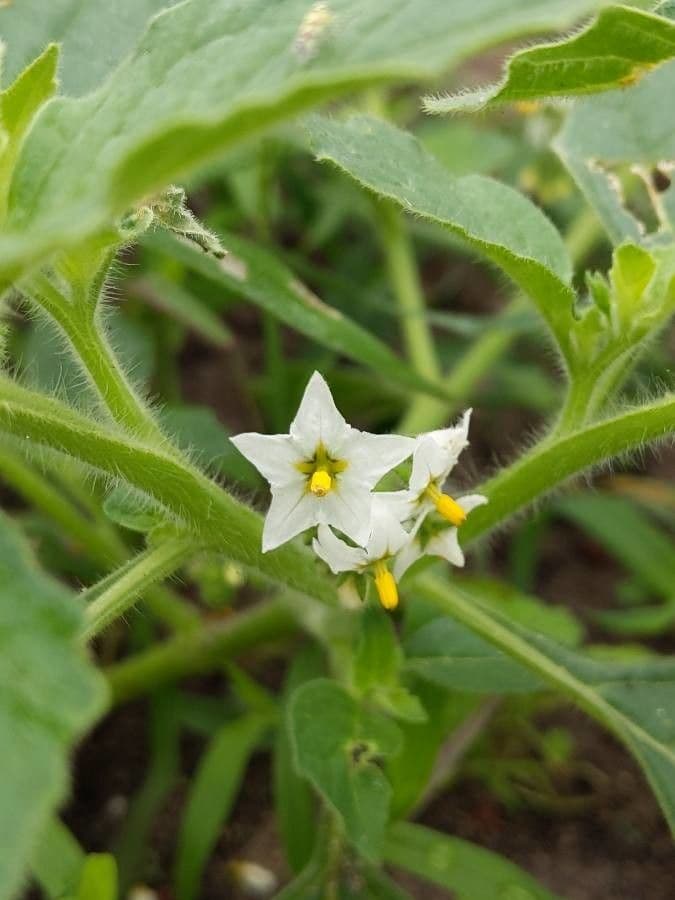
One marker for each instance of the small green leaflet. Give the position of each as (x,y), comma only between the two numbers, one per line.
(338,745)
(615,51)
(256,274)
(50,695)
(490,217)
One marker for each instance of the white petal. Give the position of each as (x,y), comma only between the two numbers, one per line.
(431,462)
(446,545)
(291,511)
(401,504)
(370,456)
(347,507)
(318,420)
(338,555)
(471,501)
(273,455)
(455,438)
(407,555)
(387,535)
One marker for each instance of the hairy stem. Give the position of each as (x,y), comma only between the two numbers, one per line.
(153,565)
(94,534)
(552,462)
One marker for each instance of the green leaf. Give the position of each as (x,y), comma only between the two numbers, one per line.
(378,656)
(86,59)
(128,509)
(212,795)
(634,700)
(50,695)
(19,105)
(621,45)
(337,745)
(490,217)
(293,801)
(469,871)
(256,274)
(172,104)
(446,653)
(631,127)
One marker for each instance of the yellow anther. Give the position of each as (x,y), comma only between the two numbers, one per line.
(386,586)
(446,506)
(320,483)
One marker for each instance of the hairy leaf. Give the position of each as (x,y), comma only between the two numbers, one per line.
(174,104)
(490,217)
(620,46)
(338,745)
(50,695)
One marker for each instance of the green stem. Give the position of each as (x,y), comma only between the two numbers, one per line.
(96,356)
(34,487)
(185,492)
(552,462)
(405,281)
(153,565)
(100,540)
(466,610)
(200,651)
(84,330)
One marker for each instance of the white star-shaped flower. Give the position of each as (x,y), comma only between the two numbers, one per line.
(323,471)
(434,457)
(387,536)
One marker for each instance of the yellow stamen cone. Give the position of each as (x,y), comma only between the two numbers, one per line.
(386,586)
(320,483)
(446,506)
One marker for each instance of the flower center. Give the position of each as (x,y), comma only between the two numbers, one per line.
(320,483)
(321,471)
(446,506)
(385,585)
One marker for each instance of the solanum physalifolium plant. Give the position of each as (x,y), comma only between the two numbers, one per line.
(259,185)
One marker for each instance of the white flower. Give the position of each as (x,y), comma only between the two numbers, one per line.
(323,472)
(386,538)
(434,458)
(441,542)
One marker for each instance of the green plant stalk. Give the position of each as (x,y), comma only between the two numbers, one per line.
(405,282)
(200,651)
(450,601)
(100,540)
(216,518)
(550,463)
(153,565)
(82,325)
